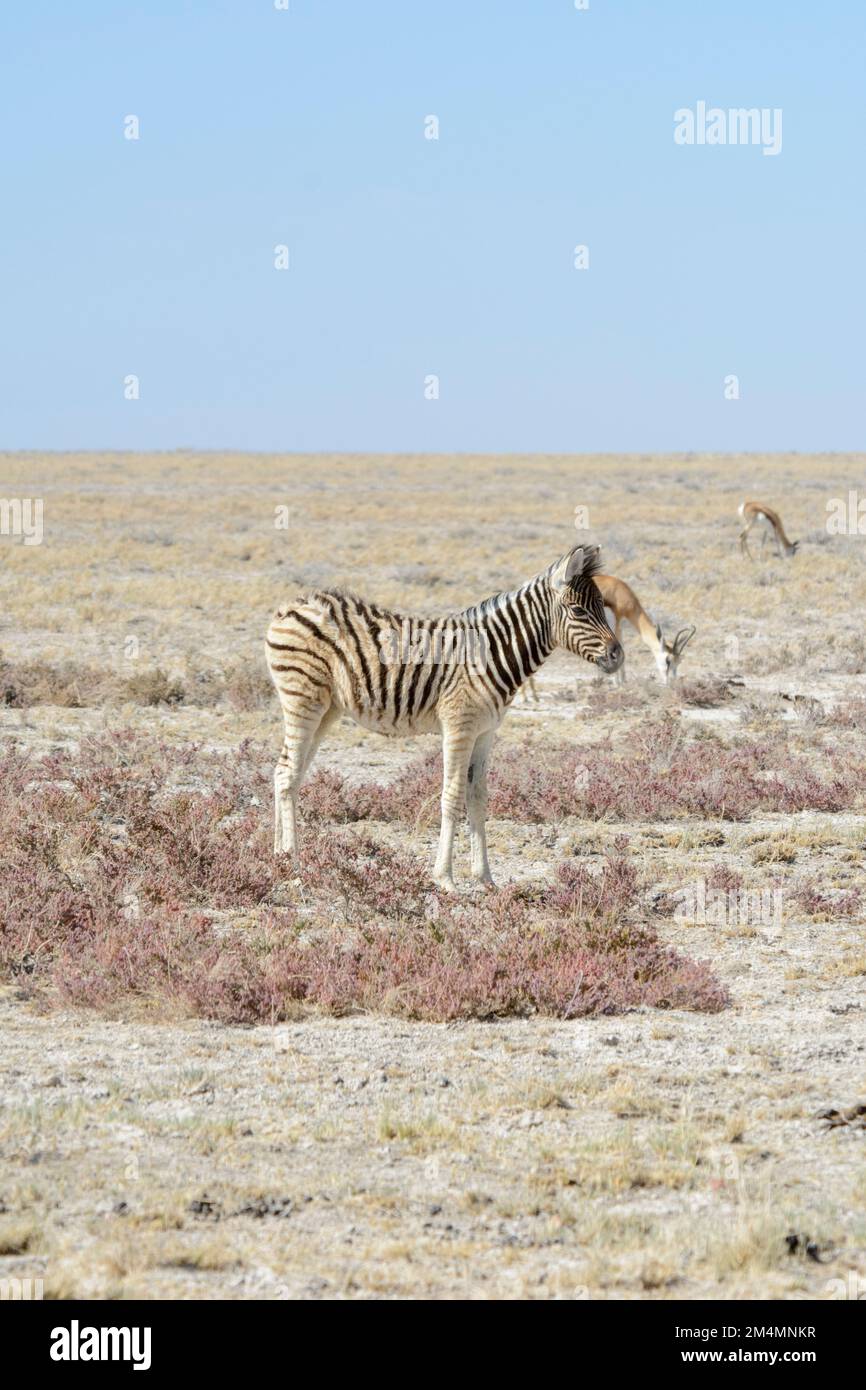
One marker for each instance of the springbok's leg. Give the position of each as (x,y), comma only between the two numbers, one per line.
(305,724)
(619,677)
(527,689)
(458,741)
(744,541)
(476,804)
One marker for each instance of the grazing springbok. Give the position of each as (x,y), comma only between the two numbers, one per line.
(331,653)
(752,512)
(623,603)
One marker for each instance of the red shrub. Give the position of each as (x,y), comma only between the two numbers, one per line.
(724,877)
(817,902)
(107,873)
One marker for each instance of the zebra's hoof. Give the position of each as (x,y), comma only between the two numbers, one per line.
(485,881)
(446,883)
(285,893)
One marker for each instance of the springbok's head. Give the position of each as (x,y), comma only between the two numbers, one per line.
(579,624)
(669,653)
(792,549)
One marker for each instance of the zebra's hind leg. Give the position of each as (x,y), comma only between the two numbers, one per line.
(476,805)
(458,742)
(304,729)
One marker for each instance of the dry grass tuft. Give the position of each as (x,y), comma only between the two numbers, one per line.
(72,685)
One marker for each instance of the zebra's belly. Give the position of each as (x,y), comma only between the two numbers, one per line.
(380,722)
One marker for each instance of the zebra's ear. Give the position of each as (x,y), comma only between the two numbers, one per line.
(578,561)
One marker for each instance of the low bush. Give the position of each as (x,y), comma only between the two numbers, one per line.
(120,890)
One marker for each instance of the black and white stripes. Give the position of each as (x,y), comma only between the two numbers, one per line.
(332,653)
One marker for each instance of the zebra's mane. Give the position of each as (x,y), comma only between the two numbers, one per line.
(591,566)
(390,614)
(367,605)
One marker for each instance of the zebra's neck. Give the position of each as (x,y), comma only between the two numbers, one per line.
(517,628)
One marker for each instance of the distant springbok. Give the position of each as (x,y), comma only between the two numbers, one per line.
(752,512)
(624,604)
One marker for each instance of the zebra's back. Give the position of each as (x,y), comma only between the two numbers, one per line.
(389,671)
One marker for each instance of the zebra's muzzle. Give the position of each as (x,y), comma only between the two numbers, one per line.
(612,660)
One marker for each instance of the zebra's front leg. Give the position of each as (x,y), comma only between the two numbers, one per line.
(476,804)
(457,746)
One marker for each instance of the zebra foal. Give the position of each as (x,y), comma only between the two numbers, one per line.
(331,653)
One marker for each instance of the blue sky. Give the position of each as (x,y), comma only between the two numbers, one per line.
(411,257)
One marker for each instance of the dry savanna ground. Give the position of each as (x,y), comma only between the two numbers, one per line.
(218,1080)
